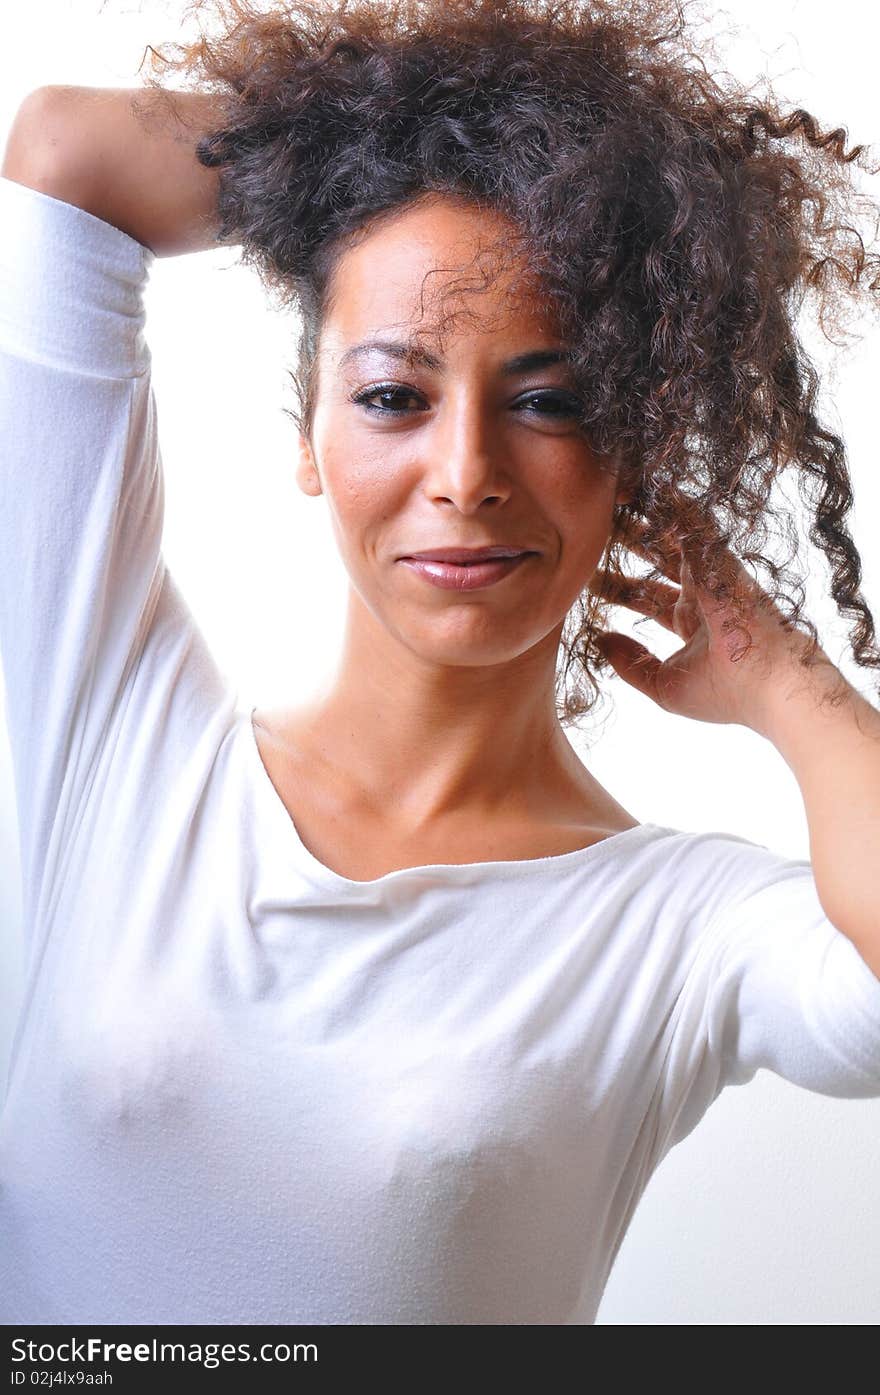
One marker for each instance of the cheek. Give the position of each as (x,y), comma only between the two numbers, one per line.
(580,503)
(363,500)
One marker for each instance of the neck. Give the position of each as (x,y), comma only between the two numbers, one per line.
(428,739)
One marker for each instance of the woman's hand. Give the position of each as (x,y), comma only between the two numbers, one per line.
(701,679)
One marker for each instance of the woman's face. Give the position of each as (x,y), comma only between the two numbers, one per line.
(465,449)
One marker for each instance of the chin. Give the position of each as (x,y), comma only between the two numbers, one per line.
(464,646)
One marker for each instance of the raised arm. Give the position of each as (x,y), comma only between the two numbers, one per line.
(126,155)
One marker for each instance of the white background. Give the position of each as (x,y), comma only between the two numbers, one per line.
(770,1211)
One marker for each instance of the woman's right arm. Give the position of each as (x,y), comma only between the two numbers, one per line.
(109,687)
(126,155)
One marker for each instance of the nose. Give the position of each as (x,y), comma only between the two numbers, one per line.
(465,463)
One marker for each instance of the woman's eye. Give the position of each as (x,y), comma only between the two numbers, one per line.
(388,391)
(561,404)
(554,405)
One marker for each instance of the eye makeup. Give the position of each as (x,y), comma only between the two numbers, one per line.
(558,404)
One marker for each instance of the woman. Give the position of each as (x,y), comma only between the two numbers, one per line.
(384,1010)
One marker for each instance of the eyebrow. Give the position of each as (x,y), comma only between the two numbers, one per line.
(415,356)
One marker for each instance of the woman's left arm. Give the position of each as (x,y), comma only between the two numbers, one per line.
(834,753)
(832,748)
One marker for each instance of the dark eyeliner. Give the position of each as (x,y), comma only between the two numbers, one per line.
(361,398)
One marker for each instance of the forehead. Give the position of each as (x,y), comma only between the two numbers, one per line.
(437,269)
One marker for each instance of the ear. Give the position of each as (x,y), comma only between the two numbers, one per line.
(307,476)
(625,492)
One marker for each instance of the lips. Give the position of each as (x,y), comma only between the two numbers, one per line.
(479,572)
(464,556)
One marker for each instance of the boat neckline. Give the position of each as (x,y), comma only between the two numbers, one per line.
(448,871)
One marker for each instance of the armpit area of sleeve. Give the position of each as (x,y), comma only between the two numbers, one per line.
(71,286)
(791,992)
(851,1013)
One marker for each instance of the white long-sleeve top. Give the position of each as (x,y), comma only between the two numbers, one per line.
(244,1088)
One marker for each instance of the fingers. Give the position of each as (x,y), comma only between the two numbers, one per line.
(635,664)
(651,598)
(637,538)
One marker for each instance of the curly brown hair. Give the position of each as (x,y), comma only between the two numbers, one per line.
(677,222)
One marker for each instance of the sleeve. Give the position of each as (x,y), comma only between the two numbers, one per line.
(773,985)
(81,523)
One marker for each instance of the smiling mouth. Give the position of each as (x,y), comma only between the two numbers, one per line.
(465,556)
(469,561)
